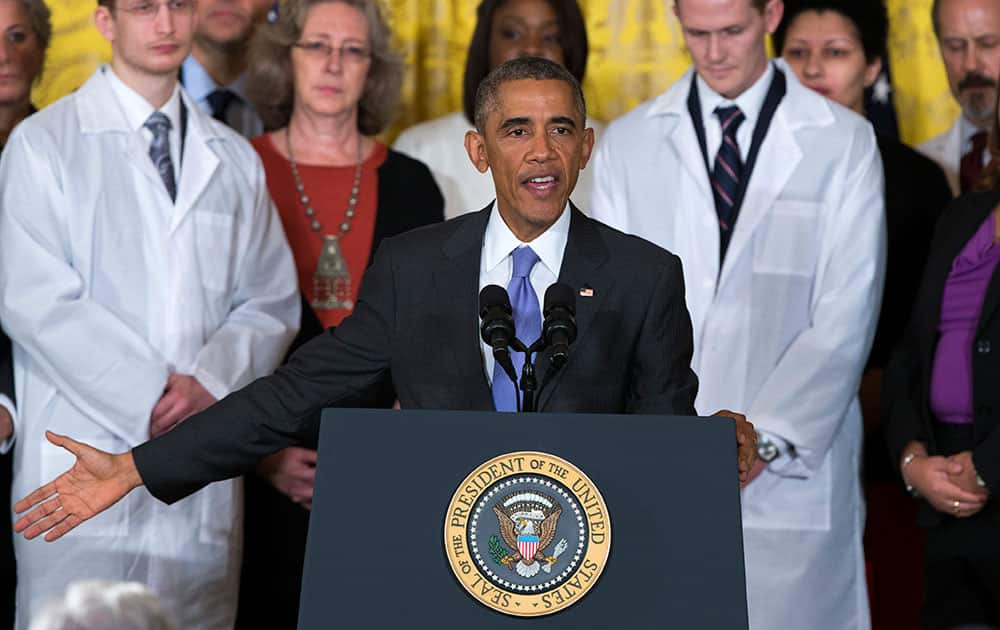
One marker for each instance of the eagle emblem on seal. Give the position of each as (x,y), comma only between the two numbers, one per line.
(528,522)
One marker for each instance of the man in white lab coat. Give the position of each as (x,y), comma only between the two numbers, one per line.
(772,197)
(144,274)
(968,33)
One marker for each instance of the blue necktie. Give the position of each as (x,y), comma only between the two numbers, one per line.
(220,100)
(728,172)
(527,323)
(159,150)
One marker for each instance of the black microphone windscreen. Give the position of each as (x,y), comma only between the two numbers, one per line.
(493,296)
(560,295)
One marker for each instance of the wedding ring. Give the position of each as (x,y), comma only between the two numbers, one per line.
(957,505)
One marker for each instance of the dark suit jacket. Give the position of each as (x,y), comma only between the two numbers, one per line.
(907,382)
(417,318)
(6,367)
(916,193)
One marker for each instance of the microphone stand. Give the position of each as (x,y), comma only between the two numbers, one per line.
(529,382)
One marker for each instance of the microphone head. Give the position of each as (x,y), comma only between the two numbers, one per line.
(558,295)
(493,296)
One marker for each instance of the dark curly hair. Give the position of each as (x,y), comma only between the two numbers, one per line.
(868,17)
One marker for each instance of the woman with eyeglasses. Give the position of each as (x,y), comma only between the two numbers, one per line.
(25,29)
(505,30)
(325,80)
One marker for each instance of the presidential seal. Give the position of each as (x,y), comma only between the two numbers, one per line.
(527,534)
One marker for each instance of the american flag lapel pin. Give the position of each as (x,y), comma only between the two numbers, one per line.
(586,291)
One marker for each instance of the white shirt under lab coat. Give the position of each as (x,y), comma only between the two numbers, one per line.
(440,144)
(107,287)
(782,332)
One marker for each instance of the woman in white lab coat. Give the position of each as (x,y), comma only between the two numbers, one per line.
(505,29)
(107,289)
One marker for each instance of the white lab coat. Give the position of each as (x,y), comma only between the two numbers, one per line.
(106,287)
(440,144)
(783,332)
(946,150)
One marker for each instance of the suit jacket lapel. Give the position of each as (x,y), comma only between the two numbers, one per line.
(965,226)
(581,270)
(456,284)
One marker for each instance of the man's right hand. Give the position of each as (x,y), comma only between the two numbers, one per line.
(6,424)
(96,481)
(292,471)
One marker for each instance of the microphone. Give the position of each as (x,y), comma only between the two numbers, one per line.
(559,326)
(497,328)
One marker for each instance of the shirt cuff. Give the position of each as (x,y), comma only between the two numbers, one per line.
(8,404)
(787,463)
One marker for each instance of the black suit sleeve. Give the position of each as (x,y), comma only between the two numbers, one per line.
(661,375)
(340,367)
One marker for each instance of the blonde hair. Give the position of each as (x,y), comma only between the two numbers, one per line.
(270,84)
(99,605)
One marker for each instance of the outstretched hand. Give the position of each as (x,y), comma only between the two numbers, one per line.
(96,481)
(746,443)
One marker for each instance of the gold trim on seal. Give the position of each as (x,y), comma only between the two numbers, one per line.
(568,580)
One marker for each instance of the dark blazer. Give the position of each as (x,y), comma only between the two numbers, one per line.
(6,367)
(417,318)
(907,381)
(916,192)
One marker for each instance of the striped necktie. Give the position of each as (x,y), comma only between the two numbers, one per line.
(727,175)
(159,150)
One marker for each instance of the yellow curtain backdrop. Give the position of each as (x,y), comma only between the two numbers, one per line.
(636,52)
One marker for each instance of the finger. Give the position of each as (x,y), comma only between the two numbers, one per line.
(39,513)
(60,530)
(66,442)
(954,468)
(35,497)
(310,456)
(46,524)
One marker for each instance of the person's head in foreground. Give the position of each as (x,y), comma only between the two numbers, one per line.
(103,605)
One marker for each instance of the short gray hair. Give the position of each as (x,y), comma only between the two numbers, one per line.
(99,605)
(537,68)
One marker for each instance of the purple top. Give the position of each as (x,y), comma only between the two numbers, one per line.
(964,291)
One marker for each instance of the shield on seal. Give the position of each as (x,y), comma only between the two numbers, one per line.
(527,546)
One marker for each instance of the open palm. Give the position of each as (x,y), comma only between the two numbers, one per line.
(96,481)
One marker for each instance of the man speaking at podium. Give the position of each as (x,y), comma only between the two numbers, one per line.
(416,319)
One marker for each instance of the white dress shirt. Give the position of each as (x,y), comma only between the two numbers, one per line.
(750,103)
(496,264)
(137,111)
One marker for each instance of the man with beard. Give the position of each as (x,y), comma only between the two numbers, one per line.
(968,32)
(215,72)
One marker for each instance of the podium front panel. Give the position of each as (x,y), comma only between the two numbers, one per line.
(375,555)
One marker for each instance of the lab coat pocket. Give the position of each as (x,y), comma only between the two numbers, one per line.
(221,511)
(214,242)
(775,502)
(787,242)
(56,460)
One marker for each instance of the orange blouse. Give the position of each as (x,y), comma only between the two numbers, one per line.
(329,190)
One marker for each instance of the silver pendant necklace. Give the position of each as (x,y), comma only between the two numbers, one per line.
(332,279)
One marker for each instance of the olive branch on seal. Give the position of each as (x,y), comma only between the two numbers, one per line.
(497,551)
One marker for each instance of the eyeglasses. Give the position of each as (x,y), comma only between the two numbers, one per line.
(146,9)
(349,53)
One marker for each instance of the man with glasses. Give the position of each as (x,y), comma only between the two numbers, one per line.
(144,274)
(214,74)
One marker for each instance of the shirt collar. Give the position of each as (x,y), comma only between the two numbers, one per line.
(549,246)
(967,130)
(136,108)
(750,101)
(199,84)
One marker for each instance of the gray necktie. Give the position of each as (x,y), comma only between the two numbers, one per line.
(159,150)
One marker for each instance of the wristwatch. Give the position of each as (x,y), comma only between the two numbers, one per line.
(767,450)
